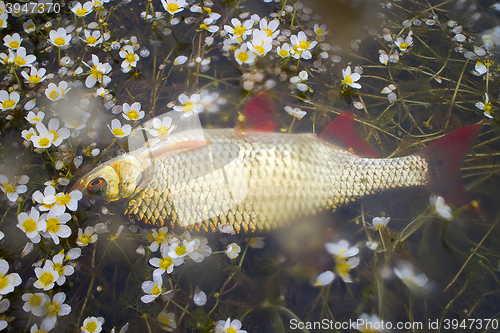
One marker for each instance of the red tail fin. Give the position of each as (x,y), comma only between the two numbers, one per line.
(259,114)
(445,156)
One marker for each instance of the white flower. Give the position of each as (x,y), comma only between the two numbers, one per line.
(36,76)
(158,238)
(97,73)
(341,250)
(60,38)
(55,93)
(480,68)
(285,50)
(76,118)
(301,46)
(350,79)
(238,31)
(165,264)
(47,276)
(153,289)
(12,42)
(47,199)
(296,112)
(127,53)
(29,26)
(487,106)
(189,105)
(437,202)
(230,326)
(118,130)
(92,325)
(270,28)
(3,20)
(167,320)
(261,43)
(8,101)
(233,250)
(12,191)
(200,247)
(369,324)
(87,237)
(7,281)
(180,251)
(379,222)
(174,6)
(55,225)
(31,224)
(161,127)
(44,138)
(55,308)
(406,272)
(33,118)
(60,134)
(404,44)
(243,56)
(383,58)
(320,31)
(324,279)
(35,303)
(133,112)
(80,10)
(180,60)
(92,39)
(256,242)
(4,306)
(344,266)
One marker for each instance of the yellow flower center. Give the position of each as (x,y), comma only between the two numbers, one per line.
(63,199)
(53,226)
(30,28)
(59,268)
(269,32)
(488,107)
(94,71)
(172,8)
(347,80)
(44,142)
(4,281)
(319,32)
(54,94)
(81,12)
(52,308)
(29,135)
(403,46)
(84,239)
(91,40)
(46,278)
(239,30)
(29,225)
(34,79)
(243,56)
(118,132)
(130,58)
(180,250)
(35,300)
(163,130)
(91,327)
(188,107)
(230,330)
(165,263)
(133,115)
(259,49)
(9,187)
(59,41)
(56,135)
(8,104)
(14,44)
(303,45)
(208,10)
(343,268)
(283,53)
(157,290)
(203,26)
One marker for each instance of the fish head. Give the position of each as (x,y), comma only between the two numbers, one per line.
(116,179)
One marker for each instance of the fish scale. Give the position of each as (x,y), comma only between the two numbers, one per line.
(288,176)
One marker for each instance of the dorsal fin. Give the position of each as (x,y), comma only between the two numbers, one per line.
(342,132)
(259,114)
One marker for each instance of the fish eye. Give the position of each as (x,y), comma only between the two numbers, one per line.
(97,186)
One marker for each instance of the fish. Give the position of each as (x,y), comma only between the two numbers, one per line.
(257,179)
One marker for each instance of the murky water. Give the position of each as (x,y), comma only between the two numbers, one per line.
(424,69)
